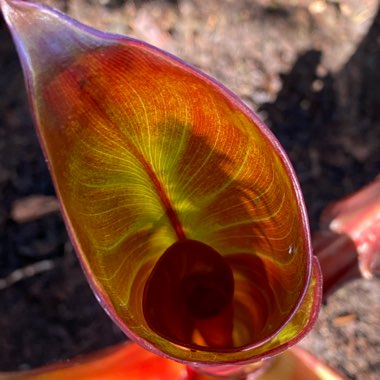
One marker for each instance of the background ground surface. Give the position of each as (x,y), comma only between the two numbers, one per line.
(311,70)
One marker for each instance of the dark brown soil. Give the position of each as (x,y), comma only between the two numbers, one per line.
(310,68)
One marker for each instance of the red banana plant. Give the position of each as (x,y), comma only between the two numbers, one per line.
(184,210)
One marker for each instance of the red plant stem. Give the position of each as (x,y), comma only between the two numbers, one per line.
(338,258)
(348,244)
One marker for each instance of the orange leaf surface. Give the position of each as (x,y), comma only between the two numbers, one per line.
(123,362)
(131,362)
(184,210)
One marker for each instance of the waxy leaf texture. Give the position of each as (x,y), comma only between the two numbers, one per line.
(183,208)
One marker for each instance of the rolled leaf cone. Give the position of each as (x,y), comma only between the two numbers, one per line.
(184,210)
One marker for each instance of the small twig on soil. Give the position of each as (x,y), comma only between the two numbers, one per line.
(26,272)
(33,207)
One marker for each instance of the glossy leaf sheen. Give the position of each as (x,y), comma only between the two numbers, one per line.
(147,153)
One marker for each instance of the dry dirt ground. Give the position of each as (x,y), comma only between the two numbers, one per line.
(310,68)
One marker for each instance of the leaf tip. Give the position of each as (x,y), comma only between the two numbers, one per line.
(46,38)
